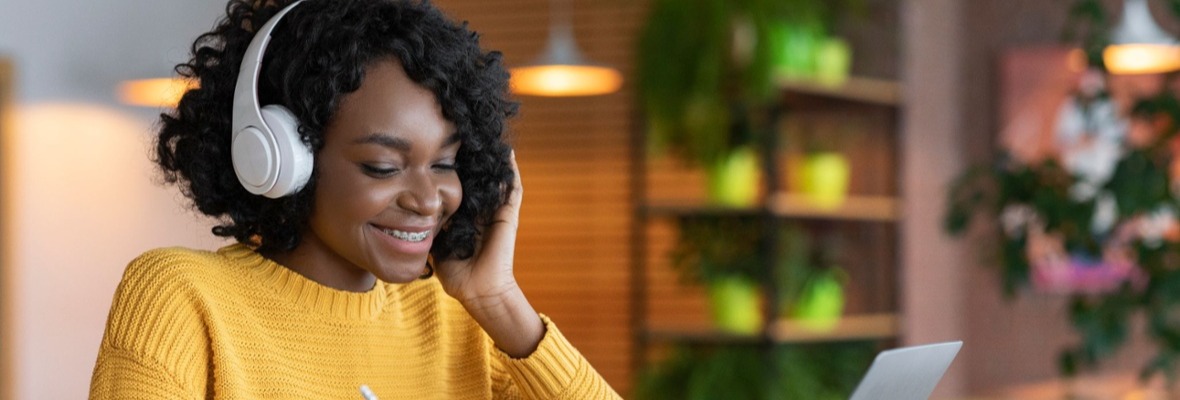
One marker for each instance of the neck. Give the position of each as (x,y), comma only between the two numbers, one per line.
(325,268)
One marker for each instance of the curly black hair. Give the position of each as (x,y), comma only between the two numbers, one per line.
(318,53)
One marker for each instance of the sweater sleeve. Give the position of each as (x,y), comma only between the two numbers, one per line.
(121,374)
(154,343)
(556,370)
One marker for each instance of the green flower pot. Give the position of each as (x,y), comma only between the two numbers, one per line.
(825,179)
(796,47)
(821,303)
(733,181)
(735,305)
(833,60)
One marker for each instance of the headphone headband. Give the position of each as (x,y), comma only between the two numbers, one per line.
(268,155)
(246,107)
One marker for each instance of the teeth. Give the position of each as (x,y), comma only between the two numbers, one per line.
(407,236)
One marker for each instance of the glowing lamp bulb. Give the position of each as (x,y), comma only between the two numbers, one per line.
(565,80)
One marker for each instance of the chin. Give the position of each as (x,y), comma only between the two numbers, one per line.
(399,279)
(402,275)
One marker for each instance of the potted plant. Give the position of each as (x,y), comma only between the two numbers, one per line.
(820,165)
(785,372)
(723,254)
(1095,217)
(811,284)
(705,82)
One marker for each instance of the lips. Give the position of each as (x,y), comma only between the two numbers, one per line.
(406,239)
(407,233)
(407,236)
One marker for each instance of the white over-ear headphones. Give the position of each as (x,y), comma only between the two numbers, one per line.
(268,155)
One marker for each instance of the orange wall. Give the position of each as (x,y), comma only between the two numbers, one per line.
(573,250)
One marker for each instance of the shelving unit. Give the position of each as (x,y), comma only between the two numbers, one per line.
(666,312)
(785,331)
(791,205)
(866,90)
(849,328)
(855,208)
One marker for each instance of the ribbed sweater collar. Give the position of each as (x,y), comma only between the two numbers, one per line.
(305,292)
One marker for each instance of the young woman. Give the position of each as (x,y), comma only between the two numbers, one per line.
(388,272)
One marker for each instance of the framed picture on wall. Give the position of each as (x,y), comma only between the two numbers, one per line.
(1054,108)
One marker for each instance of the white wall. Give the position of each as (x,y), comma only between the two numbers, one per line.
(78,190)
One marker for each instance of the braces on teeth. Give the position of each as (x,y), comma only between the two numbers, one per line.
(407,236)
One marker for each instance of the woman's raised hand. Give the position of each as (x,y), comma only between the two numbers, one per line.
(486,286)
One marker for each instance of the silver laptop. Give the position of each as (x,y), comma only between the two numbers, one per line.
(908,373)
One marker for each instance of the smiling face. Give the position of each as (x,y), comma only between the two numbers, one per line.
(386,184)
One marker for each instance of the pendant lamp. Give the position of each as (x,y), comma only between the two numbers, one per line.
(1139,45)
(561,70)
(155,92)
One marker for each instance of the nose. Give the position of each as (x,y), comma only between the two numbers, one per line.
(420,194)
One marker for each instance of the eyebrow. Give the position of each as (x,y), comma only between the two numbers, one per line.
(398,143)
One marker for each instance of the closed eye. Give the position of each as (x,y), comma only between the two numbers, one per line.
(378,172)
(445,167)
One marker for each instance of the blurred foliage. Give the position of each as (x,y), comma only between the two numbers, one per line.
(1087,27)
(1142,183)
(704,80)
(705,69)
(752,372)
(711,247)
(1044,187)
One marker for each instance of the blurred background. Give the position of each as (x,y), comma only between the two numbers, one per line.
(740,199)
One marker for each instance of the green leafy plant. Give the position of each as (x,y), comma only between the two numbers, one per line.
(705,69)
(1138,204)
(727,255)
(785,372)
(810,282)
(710,248)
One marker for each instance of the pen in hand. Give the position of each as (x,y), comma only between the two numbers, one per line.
(367,393)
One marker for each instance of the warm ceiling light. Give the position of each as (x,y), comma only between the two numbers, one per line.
(565,80)
(1138,45)
(561,70)
(159,92)
(1141,58)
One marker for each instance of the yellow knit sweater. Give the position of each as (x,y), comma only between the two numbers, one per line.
(232,324)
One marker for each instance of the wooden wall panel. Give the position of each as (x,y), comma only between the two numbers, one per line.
(573,248)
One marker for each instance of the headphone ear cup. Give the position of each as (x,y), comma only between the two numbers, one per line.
(255,159)
(295,157)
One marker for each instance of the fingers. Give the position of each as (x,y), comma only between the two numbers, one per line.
(510,211)
(517,194)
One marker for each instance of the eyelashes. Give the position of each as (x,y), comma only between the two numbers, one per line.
(381,172)
(378,172)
